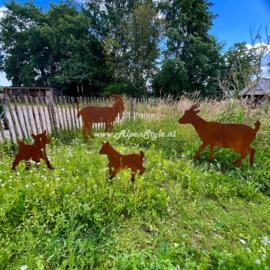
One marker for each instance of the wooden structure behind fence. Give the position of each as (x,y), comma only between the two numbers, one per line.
(56,115)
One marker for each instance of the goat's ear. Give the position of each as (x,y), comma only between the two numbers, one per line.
(196,110)
(108,143)
(33,136)
(184,109)
(102,142)
(44,132)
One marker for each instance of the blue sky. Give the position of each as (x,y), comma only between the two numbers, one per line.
(235,18)
(231,26)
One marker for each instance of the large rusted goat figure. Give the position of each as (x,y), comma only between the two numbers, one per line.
(120,162)
(107,115)
(235,136)
(34,152)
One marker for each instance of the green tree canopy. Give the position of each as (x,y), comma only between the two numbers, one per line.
(132,53)
(51,47)
(192,56)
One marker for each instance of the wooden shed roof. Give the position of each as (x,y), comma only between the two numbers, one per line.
(263,88)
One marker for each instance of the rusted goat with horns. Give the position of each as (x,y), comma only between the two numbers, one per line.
(120,162)
(235,136)
(107,115)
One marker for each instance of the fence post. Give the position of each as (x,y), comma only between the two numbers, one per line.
(34,115)
(66,113)
(78,108)
(12,118)
(132,107)
(53,116)
(47,129)
(74,114)
(70,113)
(5,115)
(39,115)
(63,113)
(28,115)
(18,117)
(1,128)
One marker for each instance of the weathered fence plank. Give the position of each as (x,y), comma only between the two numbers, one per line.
(34,115)
(12,118)
(18,117)
(28,114)
(45,120)
(8,123)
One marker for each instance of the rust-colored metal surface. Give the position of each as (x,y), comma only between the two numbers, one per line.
(235,136)
(36,152)
(120,162)
(107,115)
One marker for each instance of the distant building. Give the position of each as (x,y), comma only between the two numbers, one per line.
(32,91)
(261,93)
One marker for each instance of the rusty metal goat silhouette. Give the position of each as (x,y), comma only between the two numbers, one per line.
(35,152)
(107,115)
(235,136)
(120,162)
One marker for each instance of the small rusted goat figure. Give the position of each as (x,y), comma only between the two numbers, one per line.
(235,136)
(105,115)
(35,152)
(120,162)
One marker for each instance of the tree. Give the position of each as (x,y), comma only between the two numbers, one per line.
(51,47)
(133,51)
(238,69)
(244,64)
(192,56)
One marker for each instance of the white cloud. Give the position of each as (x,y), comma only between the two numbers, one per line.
(3,80)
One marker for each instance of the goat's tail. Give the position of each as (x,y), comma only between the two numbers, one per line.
(79,113)
(142,154)
(257,126)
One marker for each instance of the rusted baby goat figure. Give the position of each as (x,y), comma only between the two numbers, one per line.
(235,136)
(120,162)
(35,152)
(105,115)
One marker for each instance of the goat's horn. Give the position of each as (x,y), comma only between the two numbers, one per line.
(116,96)
(194,107)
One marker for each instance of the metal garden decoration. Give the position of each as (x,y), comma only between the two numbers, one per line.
(34,152)
(120,162)
(107,115)
(235,136)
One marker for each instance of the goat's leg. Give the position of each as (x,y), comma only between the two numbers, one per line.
(89,129)
(133,176)
(48,163)
(238,161)
(37,165)
(28,165)
(211,152)
(142,170)
(200,149)
(15,163)
(252,153)
(116,170)
(111,127)
(106,126)
(110,169)
(84,132)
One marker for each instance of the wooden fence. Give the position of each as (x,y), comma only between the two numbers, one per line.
(57,114)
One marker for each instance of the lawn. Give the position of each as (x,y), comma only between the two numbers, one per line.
(180,214)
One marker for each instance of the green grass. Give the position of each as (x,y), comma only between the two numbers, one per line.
(180,212)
